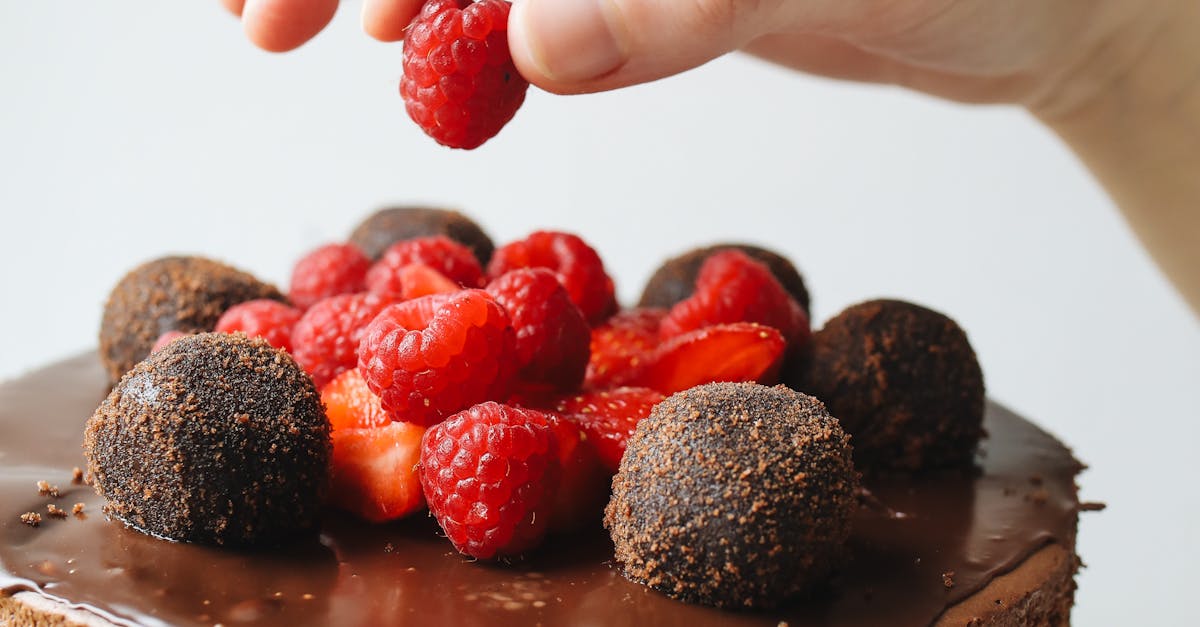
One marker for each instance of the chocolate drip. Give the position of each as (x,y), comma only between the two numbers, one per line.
(913,533)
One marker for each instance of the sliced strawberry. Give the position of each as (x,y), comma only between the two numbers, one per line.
(417,280)
(608,418)
(350,404)
(373,473)
(620,346)
(583,486)
(742,351)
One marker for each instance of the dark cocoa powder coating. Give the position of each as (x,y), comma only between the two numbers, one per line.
(675,279)
(978,524)
(904,382)
(733,495)
(216,438)
(186,294)
(387,226)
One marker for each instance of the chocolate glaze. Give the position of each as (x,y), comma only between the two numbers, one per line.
(909,533)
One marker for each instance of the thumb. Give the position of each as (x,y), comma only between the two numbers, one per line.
(576,46)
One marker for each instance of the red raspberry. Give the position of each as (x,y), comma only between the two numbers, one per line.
(460,85)
(269,319)
(576,264)
(350,404)
(433,356)
(620,346)
(732,287)
(609,418)
(439,252)
(489,474)
(552,336)
(330,270)
(325,341)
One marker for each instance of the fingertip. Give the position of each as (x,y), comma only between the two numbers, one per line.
(283,25)
(387,20)
(233,6)
(567,47)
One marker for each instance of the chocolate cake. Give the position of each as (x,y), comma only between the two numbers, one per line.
(992,547)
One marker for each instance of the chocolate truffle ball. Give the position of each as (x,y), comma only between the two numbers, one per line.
(387,226)
(733,495)
(186,294)
(904,382)
(675,279)
(216,438)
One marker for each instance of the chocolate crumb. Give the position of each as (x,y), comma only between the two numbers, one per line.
(32,519)
(77,509)
(76,475)
(948,579)
(45,489)
(1039,496)
(389,548)
(1092,506)
(56,511)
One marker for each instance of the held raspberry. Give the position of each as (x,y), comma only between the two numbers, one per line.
(433,356)
(460,85)
(489,474)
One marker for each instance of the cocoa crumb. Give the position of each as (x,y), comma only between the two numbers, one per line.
(55,511)
(32,519)
(1039,496)
(389,548)
(76,475)
(45,489)
(77,509)
(948,579)
(1092,506)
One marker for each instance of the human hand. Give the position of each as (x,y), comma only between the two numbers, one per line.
(1044,55)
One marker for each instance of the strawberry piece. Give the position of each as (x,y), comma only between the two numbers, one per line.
(460,85)
(455,261)
(583,485)
(433,356)
(552,335)
(732,287)
(350,404)
(576,265)
(489,474)
(619,347)
(269,319)
(417,280)
(608,418)
(373,472)
(742,351)
(328,271)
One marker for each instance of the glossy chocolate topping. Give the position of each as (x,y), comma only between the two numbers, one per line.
(911,534)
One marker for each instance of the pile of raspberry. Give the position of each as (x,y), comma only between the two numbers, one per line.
(501,397)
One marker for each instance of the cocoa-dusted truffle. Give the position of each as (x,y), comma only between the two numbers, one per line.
(675,279)
(216,438)
(904,382)
(733,495)
(387,226)
(186,294)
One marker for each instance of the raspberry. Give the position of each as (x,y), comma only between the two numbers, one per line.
(609,418)
(269,319)
(583,483)
(552,336)
(417,280)
(350,404)
(732,287)
(439,252)
(619,346)
(325,341)
(330,270)
(576,265)
(433,356)
(373,471)
(460,85)
(489,474)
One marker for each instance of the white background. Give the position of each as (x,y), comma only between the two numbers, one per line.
(133,129)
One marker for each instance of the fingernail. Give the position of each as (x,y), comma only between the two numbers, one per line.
(571,40)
